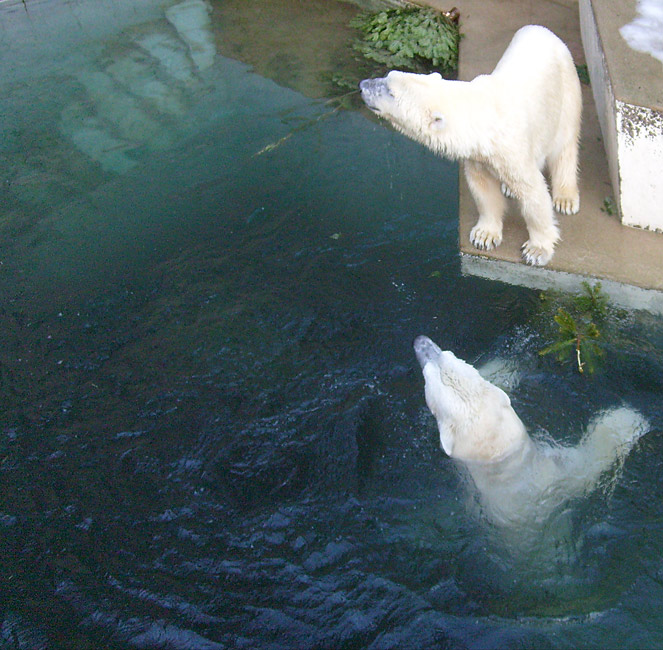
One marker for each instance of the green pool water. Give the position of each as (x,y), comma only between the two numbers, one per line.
(213,431)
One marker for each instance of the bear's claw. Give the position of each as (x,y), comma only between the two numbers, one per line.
(484,239)
(506,191)
(536,255)
(566,205)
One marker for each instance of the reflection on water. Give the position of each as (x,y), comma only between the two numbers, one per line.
(213,431)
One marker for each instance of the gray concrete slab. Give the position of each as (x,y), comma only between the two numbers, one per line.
(594,242)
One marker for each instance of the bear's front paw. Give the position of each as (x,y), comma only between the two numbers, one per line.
(567,204)
(485,239)
(537,255)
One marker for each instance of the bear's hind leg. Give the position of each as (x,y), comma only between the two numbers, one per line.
(485,188)
(564,179)
(609,438)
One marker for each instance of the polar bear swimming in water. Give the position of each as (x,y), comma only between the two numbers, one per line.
(519,481)
(507,126)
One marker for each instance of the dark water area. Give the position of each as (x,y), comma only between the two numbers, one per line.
(213,431)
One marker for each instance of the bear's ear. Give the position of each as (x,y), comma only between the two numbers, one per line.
(435,75)
(437,121)
(447,440)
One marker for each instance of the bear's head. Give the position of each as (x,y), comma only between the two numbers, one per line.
(475,418)
(413,103)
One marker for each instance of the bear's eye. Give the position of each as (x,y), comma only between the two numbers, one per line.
(437,120)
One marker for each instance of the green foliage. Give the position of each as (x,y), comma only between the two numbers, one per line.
(578,337)
(583,74)
(609,206)
(411,38)
(592,301)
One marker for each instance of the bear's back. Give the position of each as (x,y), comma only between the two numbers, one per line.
(534,53)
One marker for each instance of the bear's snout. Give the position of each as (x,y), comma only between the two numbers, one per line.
(425,350)
(374,89)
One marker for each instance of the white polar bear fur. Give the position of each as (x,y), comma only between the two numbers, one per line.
(507,126)
(520,481)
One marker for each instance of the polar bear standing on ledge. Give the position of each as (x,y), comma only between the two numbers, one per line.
(520,482)
(507,126)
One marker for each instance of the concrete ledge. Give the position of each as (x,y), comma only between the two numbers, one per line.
(623,295)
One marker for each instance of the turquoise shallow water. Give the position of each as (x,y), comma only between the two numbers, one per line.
(213,431)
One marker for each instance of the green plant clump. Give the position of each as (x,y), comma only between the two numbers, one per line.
(578,336)
(409,38)
(609,206)
(583,74)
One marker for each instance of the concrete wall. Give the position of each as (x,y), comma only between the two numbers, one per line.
(629,113)
(640,160)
